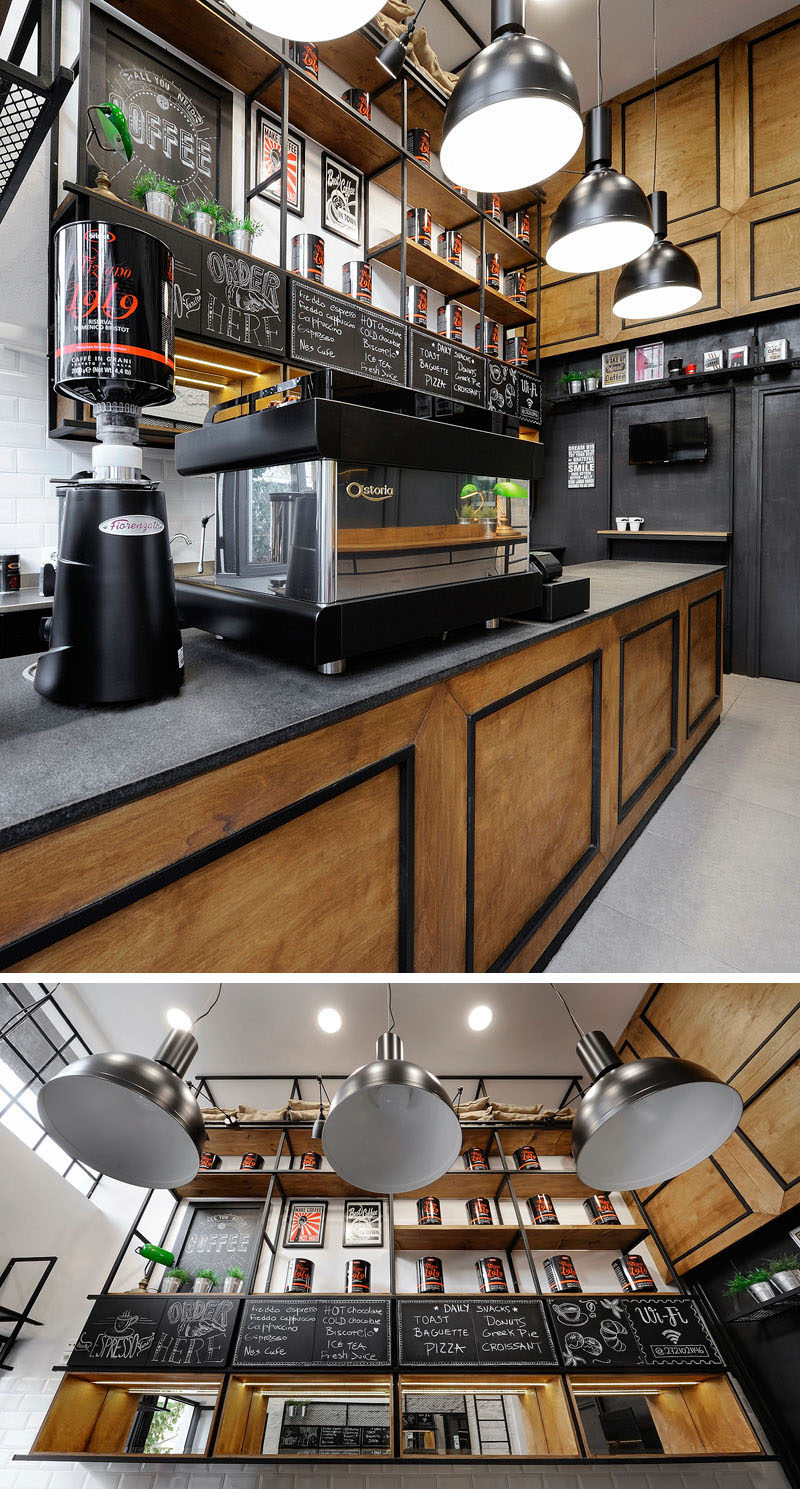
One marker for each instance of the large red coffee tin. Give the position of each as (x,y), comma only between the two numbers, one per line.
(114,333)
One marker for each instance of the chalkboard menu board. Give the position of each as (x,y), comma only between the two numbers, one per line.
(243,300)
(218,1236)
(490,1333)
(529,399)
(445,370)
(501,388)
(653,1332)
(329,330)
(177,1331)
(344,1333)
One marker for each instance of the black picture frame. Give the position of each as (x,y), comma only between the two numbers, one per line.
(376,1205)
(304,1204)
(243,1216)
(342,199)
(268,124)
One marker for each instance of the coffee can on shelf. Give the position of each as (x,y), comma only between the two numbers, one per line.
(560,1273)
(306,55)
(9,573)
(429,1211)
(252,1160)
(518,224)
(526,1159)
(418,144)
(492,347)
(450,321)
(358,99)
(632,1274)
(357,1275)
(308,256)
(418,226)
(516,349)
(462,190)
(600,1210)
(430,1274)
(417,304)
(299,1275)
(210,1160)
(542,1210)
(492,271)
(491,1274)
(479,1211)
(450,246)
(475,1160)
(310,1162)
(516,286)
(357,280)
(491,206)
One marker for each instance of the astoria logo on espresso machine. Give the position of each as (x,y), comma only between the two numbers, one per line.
(370,493)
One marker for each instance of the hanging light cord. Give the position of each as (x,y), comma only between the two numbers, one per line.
(655,91)
(599,56)
(211,1005)
(569,1010)
(322,1087)
(389,1009)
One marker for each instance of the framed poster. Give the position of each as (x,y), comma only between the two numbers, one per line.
(342,198)
(363,1222)
(714,361)
(615,368)
(219,1235)
(580,467)
(268,160)
(179,119)
(305,1222)
(649,362)
(739,356)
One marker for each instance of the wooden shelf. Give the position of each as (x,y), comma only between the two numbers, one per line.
(499,308)
(427,267)
(549,1139)
(451,210)
(663,535)
(330,122)
(401,540)
(585,1237)
(454,1237)
(563,1184)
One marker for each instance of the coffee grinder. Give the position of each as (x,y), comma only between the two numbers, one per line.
(113,636)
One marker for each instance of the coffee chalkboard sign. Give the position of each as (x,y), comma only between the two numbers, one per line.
(330,330)
(303,1332)
(488,1333)
(218,1236)
(655,1332)
(195,1332)
(119,1334)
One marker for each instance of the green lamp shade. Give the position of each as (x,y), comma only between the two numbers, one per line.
(511,491)
(114,126)
(156,1254)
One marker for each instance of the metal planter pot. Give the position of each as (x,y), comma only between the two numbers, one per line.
(761,1292)
(591,384)
(204,224)
(170,1285)
(575,384)
(202,1285)
(160,204)
(232,1285)
(788,1281)
(241,240)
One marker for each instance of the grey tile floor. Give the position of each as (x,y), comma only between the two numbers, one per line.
(713,883)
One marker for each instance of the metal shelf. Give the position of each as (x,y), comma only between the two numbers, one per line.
(28,110)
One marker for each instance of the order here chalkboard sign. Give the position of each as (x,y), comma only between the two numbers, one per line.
(343,1333)
(663,1332)
(488,1333)
(177,1331)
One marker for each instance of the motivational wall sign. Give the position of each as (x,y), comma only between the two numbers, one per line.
(174,1332)
(653,1332)
(580,466)
(345,1333)
(489,1333)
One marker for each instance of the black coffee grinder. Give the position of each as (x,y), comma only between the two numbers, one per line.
(114,635)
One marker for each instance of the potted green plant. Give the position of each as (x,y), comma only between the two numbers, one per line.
(173,1280)
(572,381)
(755,1283)
(234,1280)
(202,215)
(240,231)
(205,1281)
(784,1273)
(157,193)
(591,380)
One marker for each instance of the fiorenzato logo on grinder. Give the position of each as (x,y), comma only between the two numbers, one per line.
(133,525)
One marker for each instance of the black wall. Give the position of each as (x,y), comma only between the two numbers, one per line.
(763,1355)
(750,484)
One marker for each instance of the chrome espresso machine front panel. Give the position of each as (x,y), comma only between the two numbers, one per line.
(343,529)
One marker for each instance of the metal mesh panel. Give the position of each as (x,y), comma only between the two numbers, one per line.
(19,109)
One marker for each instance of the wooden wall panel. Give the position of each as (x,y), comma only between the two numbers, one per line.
(702,1201)
(775,255)
(739,1026)
(570,311)
(774,67)
(770,1123)
(688,140)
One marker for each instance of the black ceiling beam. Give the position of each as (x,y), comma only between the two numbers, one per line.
(465,25)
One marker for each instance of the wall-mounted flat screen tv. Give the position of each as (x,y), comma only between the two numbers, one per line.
(670,442)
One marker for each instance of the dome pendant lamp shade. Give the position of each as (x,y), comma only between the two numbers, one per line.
(391,1126)
(307,20)
(648,1120)
(127,1116)
(514,115)
(603,221)
(663,281)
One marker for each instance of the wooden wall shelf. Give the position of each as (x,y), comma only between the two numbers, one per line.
(452,210)
(663,535)
(427,267)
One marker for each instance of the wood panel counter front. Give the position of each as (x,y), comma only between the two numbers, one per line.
(445,809)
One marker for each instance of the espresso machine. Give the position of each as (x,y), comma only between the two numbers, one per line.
(343,529)
(113,636)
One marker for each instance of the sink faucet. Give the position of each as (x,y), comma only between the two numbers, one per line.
(176,536)
(203,525)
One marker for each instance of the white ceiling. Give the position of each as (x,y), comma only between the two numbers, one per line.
(685,28)
(271,1028)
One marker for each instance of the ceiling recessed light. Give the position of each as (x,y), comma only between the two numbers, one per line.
(480,1017)
(178,1018)
(329,1020)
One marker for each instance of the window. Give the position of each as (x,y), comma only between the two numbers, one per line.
(43,1042)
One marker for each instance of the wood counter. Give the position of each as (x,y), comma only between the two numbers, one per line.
(450,812)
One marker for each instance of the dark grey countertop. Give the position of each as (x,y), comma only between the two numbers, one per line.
(29,598)
(60,764)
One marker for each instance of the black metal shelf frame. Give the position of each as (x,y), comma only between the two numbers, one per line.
(30,103)
(19,1317)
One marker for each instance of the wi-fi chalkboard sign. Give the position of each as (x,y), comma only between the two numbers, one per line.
(486,1333)
(655,1332)
(297,1333)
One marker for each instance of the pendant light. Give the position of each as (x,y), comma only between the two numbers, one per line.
(130,1117)
(648,1120)
(392,57)
(513,117)
(307,20)
(605,220)
(665,280)
(391,1126)
(319,1121)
